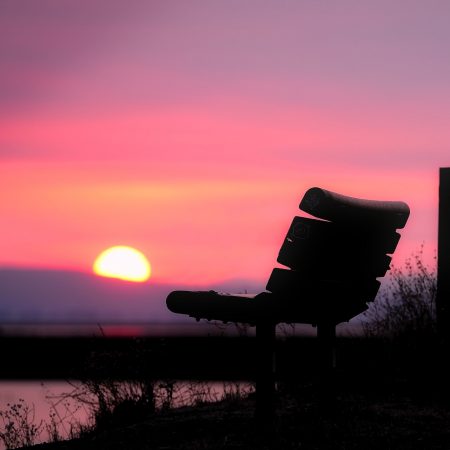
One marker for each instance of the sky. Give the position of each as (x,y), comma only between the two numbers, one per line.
(191,129)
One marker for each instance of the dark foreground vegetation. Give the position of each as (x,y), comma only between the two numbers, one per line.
(386,395)
(370,410)
(390,390)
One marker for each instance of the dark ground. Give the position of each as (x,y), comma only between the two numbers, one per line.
(360,422)
(395,414)
(386,397)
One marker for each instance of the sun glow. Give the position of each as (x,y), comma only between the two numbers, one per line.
(125,263)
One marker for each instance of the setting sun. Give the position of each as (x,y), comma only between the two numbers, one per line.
(125,263)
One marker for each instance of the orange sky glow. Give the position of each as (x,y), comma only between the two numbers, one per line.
(192,132)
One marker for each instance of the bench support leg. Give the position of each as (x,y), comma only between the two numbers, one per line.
(265,375)
(326,335)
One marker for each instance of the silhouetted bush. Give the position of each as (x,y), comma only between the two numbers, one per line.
(406,307)
(17,425)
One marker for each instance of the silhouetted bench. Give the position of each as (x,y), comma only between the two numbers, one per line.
(333,266)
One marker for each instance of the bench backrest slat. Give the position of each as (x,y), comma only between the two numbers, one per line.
(340,256)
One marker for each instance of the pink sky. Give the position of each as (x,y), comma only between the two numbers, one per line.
(191,130)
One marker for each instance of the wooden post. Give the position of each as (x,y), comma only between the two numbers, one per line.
(443,262)
(265,376)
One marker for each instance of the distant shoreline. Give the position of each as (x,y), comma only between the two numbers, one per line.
(157,329)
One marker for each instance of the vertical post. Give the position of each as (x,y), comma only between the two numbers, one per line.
(443,262)
(265,375)
(326,336)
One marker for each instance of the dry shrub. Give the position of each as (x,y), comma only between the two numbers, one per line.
(406,307)
(17,425)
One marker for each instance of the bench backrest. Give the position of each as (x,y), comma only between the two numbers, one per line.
(338,259)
